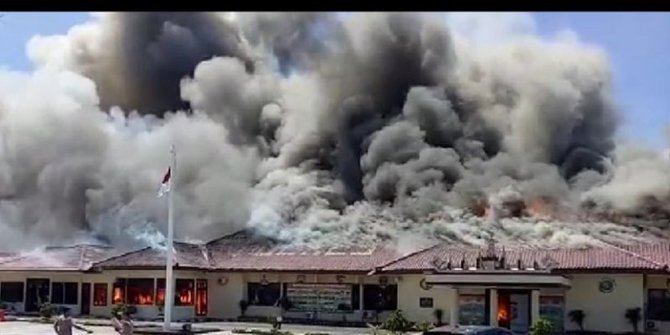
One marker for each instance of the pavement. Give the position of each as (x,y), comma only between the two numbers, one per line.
(32,328)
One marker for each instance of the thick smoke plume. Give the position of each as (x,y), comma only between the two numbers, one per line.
(317,129)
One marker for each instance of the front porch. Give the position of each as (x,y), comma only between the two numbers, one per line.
(506,299)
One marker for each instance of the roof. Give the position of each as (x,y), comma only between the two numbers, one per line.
(186,256)
(72,258)
(603,257)
(243,252)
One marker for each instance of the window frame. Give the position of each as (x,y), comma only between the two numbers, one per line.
(14,294)
(64,293)
(105,291)
(136,287)
(274,286)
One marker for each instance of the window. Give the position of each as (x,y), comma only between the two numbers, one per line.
(263,294)
(100,294)
(11,291)
(658,305)
(119,291)
(380,298)
(160,292)
(64,293)
(140,291)
(355,297)
(184,290)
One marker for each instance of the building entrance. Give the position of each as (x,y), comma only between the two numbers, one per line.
(514,310)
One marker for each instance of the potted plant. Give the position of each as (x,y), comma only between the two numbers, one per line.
(577,316)
(244,305)
(542,327)
(634,316)
(439,313)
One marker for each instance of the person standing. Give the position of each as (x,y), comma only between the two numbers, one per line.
(124,326)
(64,324)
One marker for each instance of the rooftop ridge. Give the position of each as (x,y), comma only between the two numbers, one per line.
(636,255)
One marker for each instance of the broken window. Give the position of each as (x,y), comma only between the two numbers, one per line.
(11,291)
(64,293)
(263,294)
(100,294)
(380,297)
(119,291)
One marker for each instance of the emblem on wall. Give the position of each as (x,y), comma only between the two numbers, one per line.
(424,285)
(223,281)
(606,285)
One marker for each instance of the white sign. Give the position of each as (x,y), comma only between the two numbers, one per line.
(319,297)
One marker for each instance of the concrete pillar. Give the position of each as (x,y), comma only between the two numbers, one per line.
(493,310)
(534,306)
(453,307)
(360,297)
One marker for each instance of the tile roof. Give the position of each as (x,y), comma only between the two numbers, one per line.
(72,258)
(186,256)
(243,252)
(603,257)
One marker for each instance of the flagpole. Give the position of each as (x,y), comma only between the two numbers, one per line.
(169,285)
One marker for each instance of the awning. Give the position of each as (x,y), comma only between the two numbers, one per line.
(505,280)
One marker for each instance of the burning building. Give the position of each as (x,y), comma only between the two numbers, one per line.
(501,284)
(330,135)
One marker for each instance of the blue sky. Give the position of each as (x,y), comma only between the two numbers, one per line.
(638,46)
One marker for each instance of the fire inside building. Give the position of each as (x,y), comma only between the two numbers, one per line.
(240,276)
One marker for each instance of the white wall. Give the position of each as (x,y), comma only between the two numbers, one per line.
(409,293)
(604,311)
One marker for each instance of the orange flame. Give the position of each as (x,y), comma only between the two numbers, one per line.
(117,296)
(541,207)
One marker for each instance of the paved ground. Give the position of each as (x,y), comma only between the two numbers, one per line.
(27,328)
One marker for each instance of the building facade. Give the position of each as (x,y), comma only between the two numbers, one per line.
(497,285)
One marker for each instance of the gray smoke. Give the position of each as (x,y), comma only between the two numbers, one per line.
(314,129)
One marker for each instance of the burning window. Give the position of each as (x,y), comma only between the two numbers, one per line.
(136,291)
(160,292)
(263,294)
(201,297)
(100,294)
(140,291)
(64,293)
(11,291)
(119,291)
(380,298)
(184,290)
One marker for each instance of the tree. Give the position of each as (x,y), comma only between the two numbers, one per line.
(634,315)
(577,316)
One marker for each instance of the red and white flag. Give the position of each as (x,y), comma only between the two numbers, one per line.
(165,184)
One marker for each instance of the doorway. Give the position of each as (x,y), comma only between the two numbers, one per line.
(85,298)
(37,293)
(514,310)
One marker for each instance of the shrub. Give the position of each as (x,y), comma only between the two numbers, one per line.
(577,316)
(542,327)
(423,326)
(397,323)
(47,311)
(121,309)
